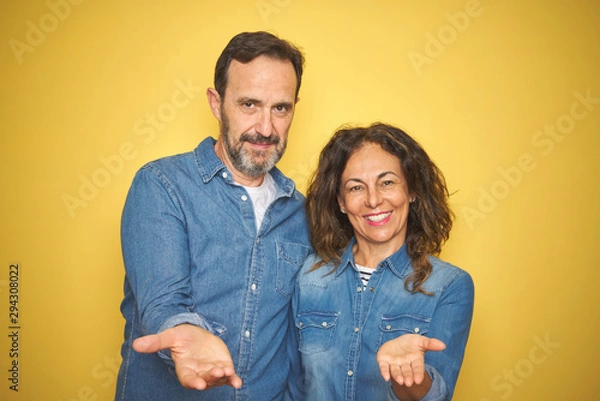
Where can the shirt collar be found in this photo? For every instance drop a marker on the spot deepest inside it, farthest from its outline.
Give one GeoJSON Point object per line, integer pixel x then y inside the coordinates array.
{"type": "Point", "coordinates": [207, 161]}
{"type": "Point", "coordinates": [399, 262]}
{"type": "Point", "coordinates": [209, 165]}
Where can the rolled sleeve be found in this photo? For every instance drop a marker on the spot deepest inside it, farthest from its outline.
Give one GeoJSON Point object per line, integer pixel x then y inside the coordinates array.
{"type": "Point", "coordinates": [183, 318]}
{"type": "Point", "coordinates": [437, 392]}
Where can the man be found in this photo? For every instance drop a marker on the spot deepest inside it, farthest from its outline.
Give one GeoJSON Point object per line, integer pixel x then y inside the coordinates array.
{"type": "Point", "coordinates": [212, 240]}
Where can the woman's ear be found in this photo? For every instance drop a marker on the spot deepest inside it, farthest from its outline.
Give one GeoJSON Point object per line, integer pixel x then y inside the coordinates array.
{"type": "Point", "coordinates": [342, 205]}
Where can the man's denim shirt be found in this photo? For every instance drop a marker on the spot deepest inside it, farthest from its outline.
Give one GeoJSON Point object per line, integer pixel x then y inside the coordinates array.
{"type": "Point", "coordinates": [342, 325]}
{"type": "Point", "coordinates": [193, 254]}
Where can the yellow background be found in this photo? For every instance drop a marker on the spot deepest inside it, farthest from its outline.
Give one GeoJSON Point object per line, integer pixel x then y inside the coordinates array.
{"type": "Point", "coordinates": [483, 95]}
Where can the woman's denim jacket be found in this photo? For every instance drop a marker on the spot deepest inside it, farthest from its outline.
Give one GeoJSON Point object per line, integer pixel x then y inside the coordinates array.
{"type": "Point", "coordinates": [341, 325]}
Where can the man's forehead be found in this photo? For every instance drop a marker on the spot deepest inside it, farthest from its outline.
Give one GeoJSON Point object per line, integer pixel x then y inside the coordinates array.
{"type": "Point", "coordinates": [262, 67]}
{"type": "Point", "coordinates": [262, 76]}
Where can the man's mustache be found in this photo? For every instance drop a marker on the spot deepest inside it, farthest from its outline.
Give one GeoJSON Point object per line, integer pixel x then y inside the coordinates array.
{"type": "Point", "coordinates": [259, 139]}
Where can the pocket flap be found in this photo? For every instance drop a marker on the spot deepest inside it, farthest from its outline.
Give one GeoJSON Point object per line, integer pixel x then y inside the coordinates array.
{"type": "Point", "coordinates": [320, 320]}
{"type": "Point", "coordinates": [404, 324]}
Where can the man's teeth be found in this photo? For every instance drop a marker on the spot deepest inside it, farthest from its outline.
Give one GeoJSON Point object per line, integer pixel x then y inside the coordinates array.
{"type": "Point", "coordinates": [377, 218]}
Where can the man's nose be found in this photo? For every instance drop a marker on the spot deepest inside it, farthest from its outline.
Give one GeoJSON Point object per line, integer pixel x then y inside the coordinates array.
{"type": "Point", "coordinates": [264, 125]}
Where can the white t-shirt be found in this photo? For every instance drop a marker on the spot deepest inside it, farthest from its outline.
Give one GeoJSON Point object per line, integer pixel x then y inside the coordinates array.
{"type": "Point", "coordinates": [262, 196]}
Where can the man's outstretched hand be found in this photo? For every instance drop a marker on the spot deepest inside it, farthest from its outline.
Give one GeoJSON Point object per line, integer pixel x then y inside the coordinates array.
{"type": "Point", "coordinates": [202, 360]}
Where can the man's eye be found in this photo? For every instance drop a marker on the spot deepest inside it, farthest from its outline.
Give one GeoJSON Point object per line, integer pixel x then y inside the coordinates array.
{"type": "Point", "coordinates": [248, 105]}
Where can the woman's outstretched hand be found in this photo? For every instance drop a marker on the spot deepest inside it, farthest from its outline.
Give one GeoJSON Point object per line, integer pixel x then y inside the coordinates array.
{"type": "Point", "coordinates": [403, 359]}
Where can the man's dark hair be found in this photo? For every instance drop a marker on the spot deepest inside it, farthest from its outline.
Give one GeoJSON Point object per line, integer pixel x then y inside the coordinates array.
{"type": "Point", "coordinates": [247, 46]}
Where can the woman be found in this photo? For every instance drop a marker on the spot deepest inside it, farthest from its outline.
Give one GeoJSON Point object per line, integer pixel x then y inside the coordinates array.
{"type": "Point", "coordinates": [379, 317]}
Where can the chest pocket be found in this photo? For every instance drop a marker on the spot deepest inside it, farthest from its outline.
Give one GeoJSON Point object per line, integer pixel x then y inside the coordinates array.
{"type": "Point", "coordinates": [316, 331]}
{"type": "Point", "coordinates": [290, 257]}
{"type": "Point", "coordinates": [393, 327]}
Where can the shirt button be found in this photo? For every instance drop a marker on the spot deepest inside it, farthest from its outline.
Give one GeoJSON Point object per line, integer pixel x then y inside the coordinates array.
{"type": "Point", "coordinates": [350, 373]}
{"type": "Point", "coordinates": [244, 198]}
{"type": "Point", "coordinates": [356, 329]}
{"type": "Point", "coordinates": [224, 175]}
{"type": "Point", "coordinates": [388, 327]}
{"type": "Point", "coordinates": [253, 286]}
{"type": "Point", "coordinates": [300, 324]}
{"type": "Point", "coordinates": [359, 289]}
{"type": "Point", "coordinates": [372, 289]}
{"type": "Point", "coordinates": [247, 334]}
{"type": "Point", "coordinates": [416, 330]}
{"type": "Point", "coordinates": [324, 324]}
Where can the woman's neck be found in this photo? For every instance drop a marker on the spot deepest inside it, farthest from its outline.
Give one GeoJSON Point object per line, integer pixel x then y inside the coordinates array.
{"type": "Point", "coordinates": [370, 254]}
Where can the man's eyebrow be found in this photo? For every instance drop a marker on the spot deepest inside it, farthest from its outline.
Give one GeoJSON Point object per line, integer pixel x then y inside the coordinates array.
{"type": "Point", "coordinates": [245, 99]}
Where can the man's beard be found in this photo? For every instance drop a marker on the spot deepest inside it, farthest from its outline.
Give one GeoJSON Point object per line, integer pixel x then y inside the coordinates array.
{"type": "Point", "coordinates": [253, 163]}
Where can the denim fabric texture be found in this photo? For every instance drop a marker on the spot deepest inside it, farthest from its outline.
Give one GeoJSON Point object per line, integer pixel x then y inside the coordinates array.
{"type": "Point", "coordinates": [193, 254]}
{"type": "Point", "coordinates": [342, 325]}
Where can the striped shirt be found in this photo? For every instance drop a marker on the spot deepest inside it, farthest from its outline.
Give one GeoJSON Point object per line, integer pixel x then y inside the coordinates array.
{"type": "Point", "coordinates": [365, 273]}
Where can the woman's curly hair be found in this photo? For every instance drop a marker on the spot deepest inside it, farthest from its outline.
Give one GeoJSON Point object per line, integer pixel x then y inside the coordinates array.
{"type": "Point", "coordinates": [429, 216]}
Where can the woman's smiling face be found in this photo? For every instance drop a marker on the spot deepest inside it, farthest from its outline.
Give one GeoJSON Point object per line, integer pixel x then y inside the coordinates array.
{"type": "Point", "coordinates": [376, 197]}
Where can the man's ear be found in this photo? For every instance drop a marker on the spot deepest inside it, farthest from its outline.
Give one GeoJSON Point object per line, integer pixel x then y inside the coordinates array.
{"type": "Point", "coordinates": [214, 102]}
